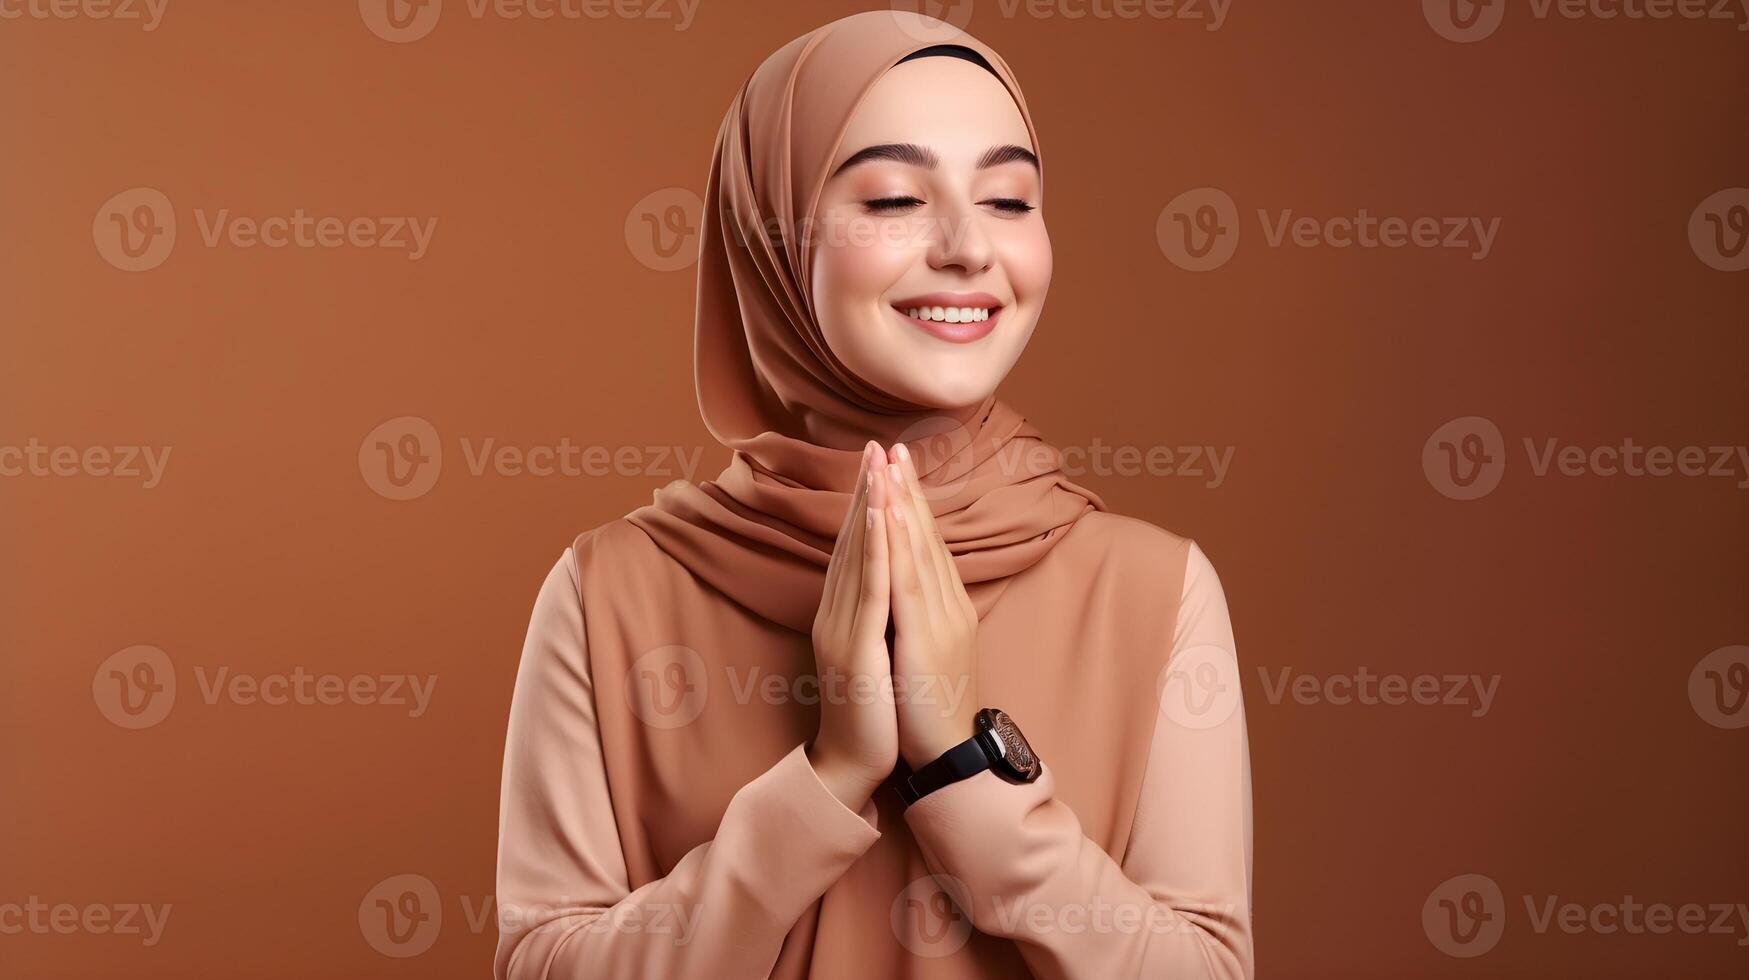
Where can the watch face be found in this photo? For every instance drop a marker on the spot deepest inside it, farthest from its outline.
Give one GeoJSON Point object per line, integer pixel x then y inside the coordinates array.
{"type": "Point", "coordinates": [1017, 755]}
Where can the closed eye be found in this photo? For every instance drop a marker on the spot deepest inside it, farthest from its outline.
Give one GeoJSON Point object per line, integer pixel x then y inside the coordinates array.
{"type": "Point", "coordinates": [891, 203]}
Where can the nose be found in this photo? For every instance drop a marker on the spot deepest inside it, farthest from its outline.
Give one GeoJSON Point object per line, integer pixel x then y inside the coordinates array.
{"type": "Point", "coordinates": [957, 241]}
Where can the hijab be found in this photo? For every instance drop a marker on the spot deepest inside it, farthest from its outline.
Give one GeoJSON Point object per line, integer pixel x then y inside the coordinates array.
{"type": "Point", "coordinates": [762, 533]}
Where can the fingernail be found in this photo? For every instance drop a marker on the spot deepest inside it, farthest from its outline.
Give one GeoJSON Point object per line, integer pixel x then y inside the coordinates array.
{"type": "Point", "coordinates": [904, 454]}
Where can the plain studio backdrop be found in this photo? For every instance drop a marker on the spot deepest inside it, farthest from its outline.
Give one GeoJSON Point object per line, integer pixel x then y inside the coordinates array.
{"type": "Point", "coordinates": [324, 327]}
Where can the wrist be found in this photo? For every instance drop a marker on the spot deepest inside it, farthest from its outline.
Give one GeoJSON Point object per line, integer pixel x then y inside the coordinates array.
{"type": "Point", "coordinates": [853, 785]}
{"type": "Point", "coordinates": [927, 743]}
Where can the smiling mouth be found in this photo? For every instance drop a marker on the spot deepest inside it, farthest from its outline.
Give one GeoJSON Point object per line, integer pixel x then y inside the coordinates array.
{"type": "Point", "coordinates": [949, 314]}
{"type": "Point", "coordinates": [957, 318]}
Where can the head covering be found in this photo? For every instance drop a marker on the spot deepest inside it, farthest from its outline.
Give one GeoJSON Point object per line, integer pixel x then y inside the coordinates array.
{"type": "Point", "coordinates": [771, 389]}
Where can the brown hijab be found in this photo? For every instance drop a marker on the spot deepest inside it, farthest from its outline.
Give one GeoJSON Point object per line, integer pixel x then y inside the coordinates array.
{"type": "Point", "coordinates": [763, 531]}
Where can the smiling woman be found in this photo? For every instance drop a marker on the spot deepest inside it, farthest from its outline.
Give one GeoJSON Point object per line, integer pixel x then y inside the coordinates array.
{"type": "Point", "coordinates": [890, 529]}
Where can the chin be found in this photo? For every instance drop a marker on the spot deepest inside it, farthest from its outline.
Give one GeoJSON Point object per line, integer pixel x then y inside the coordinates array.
{"type": "Point", "coordinates": [944, 391]}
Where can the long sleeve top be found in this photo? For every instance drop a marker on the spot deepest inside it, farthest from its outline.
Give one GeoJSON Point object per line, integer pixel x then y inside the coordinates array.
{"type": "Point", "coordinates": [1179, 904]}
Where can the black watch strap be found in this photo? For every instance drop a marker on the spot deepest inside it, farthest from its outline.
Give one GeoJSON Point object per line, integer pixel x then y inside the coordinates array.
{"type": "Point", "coordinates": [963, 761]}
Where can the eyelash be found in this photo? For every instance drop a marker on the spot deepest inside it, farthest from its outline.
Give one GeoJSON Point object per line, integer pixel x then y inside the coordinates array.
{"type": "Point", "coordinates": [1007, 205]}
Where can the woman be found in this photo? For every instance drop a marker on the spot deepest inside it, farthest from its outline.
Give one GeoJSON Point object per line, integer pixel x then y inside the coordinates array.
{"type": "Point", "coordinates": [715, 767]}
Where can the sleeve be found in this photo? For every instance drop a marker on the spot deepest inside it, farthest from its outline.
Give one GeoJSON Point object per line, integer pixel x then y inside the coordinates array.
{"type": "Point", "coordinates": [1180, 904]}
{"type": "Point", "coordinates": [564, 906]}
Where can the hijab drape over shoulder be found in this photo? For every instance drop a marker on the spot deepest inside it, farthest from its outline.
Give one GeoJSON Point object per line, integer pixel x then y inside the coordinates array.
{"type": "Point", "coordinates": [763, 531]}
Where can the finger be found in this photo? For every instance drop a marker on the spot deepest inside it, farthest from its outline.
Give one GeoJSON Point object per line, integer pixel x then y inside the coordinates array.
{"type": "Point", "coordinates": [940, 559]}
{"type": "Point", "coordinates": [858, 519]}
{"type": "Point", "coordinates": [906, 592]}
{"type": "Point", "coordinates": [846, 556]}
{"type": "Point", "coordinates": [922, 566]}
{"type": "Point", "coordinates": [923, 536]}
{"type": "Point", "coordinates": [846, 527]}
{"type": "Point", "coordinates": [872, 594]}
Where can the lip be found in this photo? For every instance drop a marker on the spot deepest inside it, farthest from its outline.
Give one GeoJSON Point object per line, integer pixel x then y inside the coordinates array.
{"type": "Point", "coordinates": [956, 333]}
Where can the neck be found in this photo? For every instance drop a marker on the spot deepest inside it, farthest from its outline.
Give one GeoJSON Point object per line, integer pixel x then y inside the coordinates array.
{"type": "Point", "coordinates": [908, 427]}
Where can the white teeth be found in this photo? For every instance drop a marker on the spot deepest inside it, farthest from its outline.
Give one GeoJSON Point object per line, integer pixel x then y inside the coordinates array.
{"type": "Point", "coordinates": [949, 314]}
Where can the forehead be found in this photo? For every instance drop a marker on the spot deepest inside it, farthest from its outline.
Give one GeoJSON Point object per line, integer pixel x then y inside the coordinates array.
{"type": "Point", "coordinates": [947, 104]}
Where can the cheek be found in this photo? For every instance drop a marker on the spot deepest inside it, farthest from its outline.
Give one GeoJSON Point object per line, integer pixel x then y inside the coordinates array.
{"type": "Point", "coordinates": [1026, 258]}
{"type": "Point", "coordinates": [858, 266]}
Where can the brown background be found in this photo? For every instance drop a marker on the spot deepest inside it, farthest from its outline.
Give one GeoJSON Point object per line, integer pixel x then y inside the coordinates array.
{"type": "Point", "coordinates": [531, 319]}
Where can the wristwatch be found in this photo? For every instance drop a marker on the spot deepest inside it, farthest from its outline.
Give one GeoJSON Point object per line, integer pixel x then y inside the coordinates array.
{"type": "Point", "coordinates": [996, 745]}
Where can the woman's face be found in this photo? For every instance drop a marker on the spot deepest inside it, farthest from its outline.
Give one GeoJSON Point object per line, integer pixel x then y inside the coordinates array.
{"type": "Point", "coordinates": [931, 261]}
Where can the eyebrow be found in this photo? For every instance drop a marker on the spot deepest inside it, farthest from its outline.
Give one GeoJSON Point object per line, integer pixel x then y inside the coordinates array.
{"type": "Point", "coordinates": [922, 156]}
